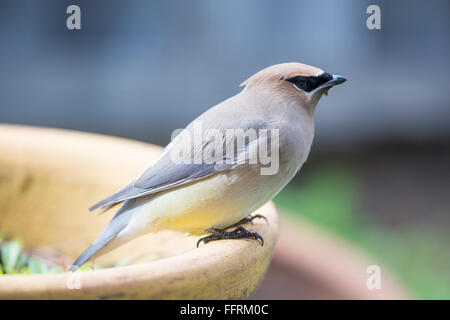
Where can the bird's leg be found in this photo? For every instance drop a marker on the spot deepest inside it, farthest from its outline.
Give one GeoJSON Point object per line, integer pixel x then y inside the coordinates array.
{"type": "Point", "coordinates": [248, 219]}
{"type": "Point", "coordinates": [238, 233]}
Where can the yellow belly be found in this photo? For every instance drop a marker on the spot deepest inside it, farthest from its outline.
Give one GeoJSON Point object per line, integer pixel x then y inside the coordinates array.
{"type": "Point", "coordinates": [217, 201]}
{"type": "Point", "coordinates": [198, 206]}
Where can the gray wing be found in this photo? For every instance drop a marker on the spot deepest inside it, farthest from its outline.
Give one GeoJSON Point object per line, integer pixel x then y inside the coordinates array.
{"type": "Point", "coordinates": [164, 174]}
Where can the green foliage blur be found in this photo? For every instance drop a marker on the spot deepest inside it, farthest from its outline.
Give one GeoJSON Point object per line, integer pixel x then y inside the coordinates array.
{"type": "Point", "coordinates": [14, 260]}
{"type": "Point", "coordinates": [417, 254]}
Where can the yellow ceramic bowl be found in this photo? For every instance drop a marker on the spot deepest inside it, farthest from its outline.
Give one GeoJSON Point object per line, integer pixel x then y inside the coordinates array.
{"type": "Point", "coordinates": [48, 180]}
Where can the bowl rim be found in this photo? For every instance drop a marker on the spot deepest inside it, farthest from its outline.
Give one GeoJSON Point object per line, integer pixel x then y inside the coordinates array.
{"type": "Point", "coordinates": [246, 260]}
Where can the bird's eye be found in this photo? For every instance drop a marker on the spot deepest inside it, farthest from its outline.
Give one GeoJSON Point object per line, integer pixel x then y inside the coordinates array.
{"type": "Point", "coordinates": [310, 83]}
{"type": "Point", "coordinates": [303, 83]}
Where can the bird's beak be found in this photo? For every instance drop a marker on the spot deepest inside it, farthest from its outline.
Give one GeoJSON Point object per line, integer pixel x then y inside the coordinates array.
{"type": "Point", "coordinates": [327, 85]}
{"type": "Point", "coordinates": [335, 81]}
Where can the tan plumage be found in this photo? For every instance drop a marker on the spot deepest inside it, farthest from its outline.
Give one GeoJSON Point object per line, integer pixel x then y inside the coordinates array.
{"type": "Point", "coordinates": [191, 197]}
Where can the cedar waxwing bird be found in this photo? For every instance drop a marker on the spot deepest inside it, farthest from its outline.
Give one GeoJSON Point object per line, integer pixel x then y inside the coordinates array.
{"type": "Point", "coordinates": [219, 169]}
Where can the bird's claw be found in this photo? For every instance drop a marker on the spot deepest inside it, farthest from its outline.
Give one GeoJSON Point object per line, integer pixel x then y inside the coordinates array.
{"type": "Point", "coordinates": [238, 233]}
{"type": "Point", "coordinates": [257, 237]}
{"type": "Point", "coordinates": [207, 239]}
{"type": "Point", "coordinates": [250, 218]}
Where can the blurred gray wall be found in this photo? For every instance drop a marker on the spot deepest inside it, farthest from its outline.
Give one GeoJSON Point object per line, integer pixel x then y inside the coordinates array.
{"type": "Point", "coordinates": [140, 69]}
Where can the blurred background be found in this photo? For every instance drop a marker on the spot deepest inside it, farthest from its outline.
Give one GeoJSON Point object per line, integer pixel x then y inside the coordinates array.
{"type": "Point", "coordinates": [378, 175]}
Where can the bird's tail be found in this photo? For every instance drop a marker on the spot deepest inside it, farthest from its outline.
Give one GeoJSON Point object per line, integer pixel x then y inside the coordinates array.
{"type": "Point", "coordinates": [93, 249]}
{"type": "Point", "coordinates": [110, 232]}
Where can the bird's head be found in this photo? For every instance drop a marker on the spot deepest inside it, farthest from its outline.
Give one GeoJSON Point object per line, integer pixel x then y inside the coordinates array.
{"type": "Point", "coordinates": [294, 82]}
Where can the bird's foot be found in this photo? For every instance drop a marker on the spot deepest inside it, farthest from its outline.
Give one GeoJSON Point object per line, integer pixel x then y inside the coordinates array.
{"type": "Point", "coordinates": [238, 233]}
{"type": "Point", "coordinates": [248, 219]}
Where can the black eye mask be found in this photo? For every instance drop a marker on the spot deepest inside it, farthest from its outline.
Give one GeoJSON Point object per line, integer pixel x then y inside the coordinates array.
{"type": "Point", "coordinates": [310, 83]}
